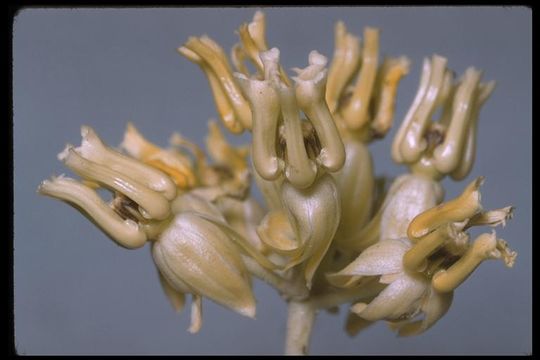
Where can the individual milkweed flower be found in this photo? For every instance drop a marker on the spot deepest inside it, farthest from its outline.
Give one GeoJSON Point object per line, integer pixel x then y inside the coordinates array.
{"type": "Point", "coordinates": [423, 269]}
{"type": "Point", "coordinates": [142, 193]}
{"type": "Point", "coordinates": [412, 194]}
{"type": "Point", "coordinates": [283, 143]}
{"type": "Point", "coordinates": [305, 201]}
{"type": "Point", "coordinates": [194, 249]}
{"type": "Point", "coordinates": [287, 151]}
{"type": "Point", "coordinates": [446, 146]}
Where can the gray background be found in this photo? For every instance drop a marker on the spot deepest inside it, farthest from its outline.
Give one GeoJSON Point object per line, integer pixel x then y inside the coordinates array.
{"type": "Point", "coordinates": [76, 292]}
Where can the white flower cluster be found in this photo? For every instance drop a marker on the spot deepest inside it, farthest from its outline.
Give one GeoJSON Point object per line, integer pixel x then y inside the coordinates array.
{"type": "Point", "coordinates": [329, 232]}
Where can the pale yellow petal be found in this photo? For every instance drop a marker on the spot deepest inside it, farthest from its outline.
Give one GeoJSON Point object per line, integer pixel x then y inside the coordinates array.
{"type": "Point", "coordinates": [201, 255]}
{"type": "Point", "coordinates": [176, 298]}
{"type": "Point", "coordinates": [399, 299]}
{"type": "Point", "coordinates": [314, 215]}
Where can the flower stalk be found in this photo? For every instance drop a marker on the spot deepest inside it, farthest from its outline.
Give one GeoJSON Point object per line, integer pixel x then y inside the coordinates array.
{"type": "Point", "coordinates": [300, 321]}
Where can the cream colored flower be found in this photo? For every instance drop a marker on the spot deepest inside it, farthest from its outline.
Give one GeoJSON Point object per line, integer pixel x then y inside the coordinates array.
{"type": "Point", "coordinates": [423, 270]}
{"type": "Point", "coordinates": [446, 146]}
{"type": "Point", "coordinates": [290, 165]}
{"type": "Point", "coordinates": [195, 249]}
{"type": "Point", "coordinates": [407, 294]}
{"type": "Point", "coordinates": [284, 143]}
{"type": "Point", "coordinates": [330, 233]}
{"type": "Point", "coordinates": [142, 194]}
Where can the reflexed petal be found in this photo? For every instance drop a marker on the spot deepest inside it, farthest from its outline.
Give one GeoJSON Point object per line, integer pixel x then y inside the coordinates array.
{"type": "Point", "coordinates": [399, 299]}
{"type": "Point", "coordinates": [384, 257]}
{"type": "Point", "coordinates": [199, 254]}
{"type": "Point", "coordinates": [434, 306]}
{"type": "Point", "coordinates": [239, 240]}
{"type": "Point", "coordinates": [354, 324]}
{"type": "Point", "coordinates": [176, 298]}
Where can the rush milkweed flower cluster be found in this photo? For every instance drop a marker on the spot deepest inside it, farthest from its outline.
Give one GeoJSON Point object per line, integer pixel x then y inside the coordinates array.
{"type": "Point", "coordinates": [329, 231]}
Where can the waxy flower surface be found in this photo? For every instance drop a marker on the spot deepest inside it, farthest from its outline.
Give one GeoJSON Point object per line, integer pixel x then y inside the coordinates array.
{"type": "Point", "coordinates": [327, 231]}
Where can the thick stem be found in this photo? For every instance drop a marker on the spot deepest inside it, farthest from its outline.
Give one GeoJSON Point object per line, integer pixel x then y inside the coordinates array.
{"type": "Point", "coordinates": [301, 316]}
